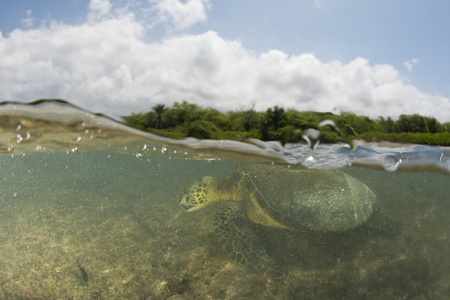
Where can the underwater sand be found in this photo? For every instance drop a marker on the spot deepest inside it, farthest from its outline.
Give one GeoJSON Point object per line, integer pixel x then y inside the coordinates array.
{"type": "Point", "coordinates": [102, 225]}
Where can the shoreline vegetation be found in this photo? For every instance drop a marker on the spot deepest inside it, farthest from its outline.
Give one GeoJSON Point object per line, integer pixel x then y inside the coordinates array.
{"type": "Point", "coordinates": [287, 126]}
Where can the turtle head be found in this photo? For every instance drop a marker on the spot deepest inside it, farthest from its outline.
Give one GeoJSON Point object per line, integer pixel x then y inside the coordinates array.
{"type": "Point", "coordinates": [197, 195]}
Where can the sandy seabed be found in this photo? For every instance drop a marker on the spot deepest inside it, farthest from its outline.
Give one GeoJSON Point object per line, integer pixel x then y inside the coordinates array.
{"type": "Point", "coordinates": [62, 241]}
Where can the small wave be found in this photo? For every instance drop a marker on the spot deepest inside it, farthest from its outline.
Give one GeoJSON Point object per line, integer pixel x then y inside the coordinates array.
{"type": "Point", "coordinates": [404, 158]}
{"type": "Point", "coordinates": [58, 126]}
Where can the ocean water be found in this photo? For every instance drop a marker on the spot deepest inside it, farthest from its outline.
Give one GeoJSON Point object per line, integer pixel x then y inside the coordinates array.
{"type": "Point", "coordinates": [89, 209]}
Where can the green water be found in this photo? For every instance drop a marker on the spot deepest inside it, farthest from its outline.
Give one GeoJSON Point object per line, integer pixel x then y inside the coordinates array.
{"type": "Point", "coordinates": [89, 209]}
{"type": "Point", "coordinates": [106, 225]}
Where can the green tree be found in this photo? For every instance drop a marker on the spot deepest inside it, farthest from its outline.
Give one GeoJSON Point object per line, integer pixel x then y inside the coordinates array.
{"type": "Point", "coordinates": [202, 129]}
{"type": "Point", "coordinates": [286, 126]}
{"type": "Point", "coordinates": [386, 125]}
{"type": "Point", "coordinates": [445, 127]}
{"type": "Point", "coordinates": [302, 120]}
{"type": "Point", "coordinates": [243, 120]}
{"type": "Point", "coordinates": [359, 123]}
{"type": "Point", "coordinates": [433, 125]}
{"type": "Point", "coordinates": [250, 118]}
{"type": "Point", "coordinates": [136, 120]}
{"type": "Point", "coordinates": [411, 123]}
{"type": "Point", "coordinates": [235, 121]}
{"type": "Point", "coordinates": [276, 117]}
{"type": "Point", "coordinates": [159, 110]}
{"type": "Point", "coordinates": [216, 117]}
{"type": "Point", "coordinates": [273, 120]}
{"type": "Point", "coordinates": [181, 114]}
{"type": "Point", "coordinates": [289, 134]}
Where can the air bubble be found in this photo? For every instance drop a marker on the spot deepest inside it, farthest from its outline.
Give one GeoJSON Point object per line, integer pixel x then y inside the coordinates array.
{"type": "Point", "coordinates": [78, 139]}
{"type": "Point", "coordinates": [310, 159]}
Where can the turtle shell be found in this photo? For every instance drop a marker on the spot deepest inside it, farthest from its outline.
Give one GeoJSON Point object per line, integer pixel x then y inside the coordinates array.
{"type": "Point", "coordinates": [313, 200]}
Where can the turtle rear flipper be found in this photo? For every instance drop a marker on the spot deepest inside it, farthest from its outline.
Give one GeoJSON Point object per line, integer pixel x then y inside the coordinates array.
{"type": "Point", "coordinates": [241, 243]}
{"type": "Point", "coordinates": [384, 223]}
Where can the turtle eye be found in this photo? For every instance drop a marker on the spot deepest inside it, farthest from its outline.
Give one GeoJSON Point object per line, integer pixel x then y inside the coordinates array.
{"type": "Point", "coordinates": [184, 198]}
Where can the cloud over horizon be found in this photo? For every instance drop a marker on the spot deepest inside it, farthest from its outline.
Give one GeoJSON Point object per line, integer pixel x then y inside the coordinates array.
{"type": "Point", "coordinates": [181, 15]}
{"type": "Point", "coordinates": [106, 65]}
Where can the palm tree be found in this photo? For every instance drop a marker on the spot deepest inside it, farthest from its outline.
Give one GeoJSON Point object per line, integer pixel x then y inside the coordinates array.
{"type": "Point", "coordinates": [159, 110]}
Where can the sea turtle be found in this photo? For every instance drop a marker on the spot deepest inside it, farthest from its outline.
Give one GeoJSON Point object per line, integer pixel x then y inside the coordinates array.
{"type": "Point", "coordinates": [287, 198]}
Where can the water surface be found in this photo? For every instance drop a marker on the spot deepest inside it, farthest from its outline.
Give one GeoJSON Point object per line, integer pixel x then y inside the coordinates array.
{"type": "Point", "coordinates": [90, 209]}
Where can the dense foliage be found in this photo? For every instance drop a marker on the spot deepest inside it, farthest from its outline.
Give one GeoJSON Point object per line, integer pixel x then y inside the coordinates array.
{"type": "Point", "coordinates": [186, 119]}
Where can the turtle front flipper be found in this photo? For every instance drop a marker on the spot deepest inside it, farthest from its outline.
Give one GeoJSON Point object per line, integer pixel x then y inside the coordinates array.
{"type": "Point", "coordinates": [241, 243]}
{"type": "Point", "coordinates": [384, 223]}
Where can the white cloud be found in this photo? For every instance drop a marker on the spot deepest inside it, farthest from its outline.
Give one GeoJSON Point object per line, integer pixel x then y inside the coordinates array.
{"type": "Point", "coordinates": [99, 9]}
{"type": "Point", "coordinates": [106, 66]}
{"type": "Point", "coordinates": [181, 15]}
{"type": "Point", "coordinates": [28, 22]}
{"type": "Point", "coordinates": [410, 64]}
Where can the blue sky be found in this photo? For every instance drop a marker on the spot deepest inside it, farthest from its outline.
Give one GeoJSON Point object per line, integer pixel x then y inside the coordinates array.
{"type": "Point", "coordinates": [375, 58]}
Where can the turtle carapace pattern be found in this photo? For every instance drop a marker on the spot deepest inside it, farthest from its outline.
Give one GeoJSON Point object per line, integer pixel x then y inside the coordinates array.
{"type": "Point", "coordinates": [287, 198]}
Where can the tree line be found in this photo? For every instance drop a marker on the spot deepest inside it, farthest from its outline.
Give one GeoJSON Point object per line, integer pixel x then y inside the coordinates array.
{"type": "Point", "coordinates": [187, 119]}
